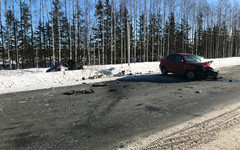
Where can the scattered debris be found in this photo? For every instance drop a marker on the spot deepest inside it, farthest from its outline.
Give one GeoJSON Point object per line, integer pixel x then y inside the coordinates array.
{"type": "Point", "coordinates": [112, 90]}
{"type": "Point", "coordinates": [98, 84]}
{"type": "Point", "coordinates": [130, 74]}
{"type": "Point", "coordinates": [82, 91]}
{"type": "Point", "coordinates": [198, 91]}
{"type": "Point", "coordinates": [98, 75]}
{"type": "Point", "coordinates": [83, 78]}
{"type": "Point", "coordinates": [84, 83]}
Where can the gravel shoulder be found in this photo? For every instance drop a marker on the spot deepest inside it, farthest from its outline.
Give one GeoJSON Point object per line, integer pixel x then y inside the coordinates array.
{"type": "Point", "coordinates": [217, 130]}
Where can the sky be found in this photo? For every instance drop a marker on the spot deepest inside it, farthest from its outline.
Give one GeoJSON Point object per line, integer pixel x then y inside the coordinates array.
{"type": "Point", "coordinates": [36, 11]}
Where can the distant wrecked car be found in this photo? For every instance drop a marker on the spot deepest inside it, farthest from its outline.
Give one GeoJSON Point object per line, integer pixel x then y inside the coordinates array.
{"type": "Point", "coordinates": [70, 65]}
{"type": "Point", "coordinates": [188, 65]}
{"type": "Point", "coordinates": [57, 67]}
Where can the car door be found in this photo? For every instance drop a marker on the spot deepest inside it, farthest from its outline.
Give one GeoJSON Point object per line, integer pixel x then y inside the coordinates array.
{"type": "Point", "coordinates": [170, 63]}
{"type": "Point", "coordinates": [178, 65]}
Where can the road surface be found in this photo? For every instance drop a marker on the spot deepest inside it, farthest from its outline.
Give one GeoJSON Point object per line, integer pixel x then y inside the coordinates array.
{"type": "Point", "coordinates": [110, 115]}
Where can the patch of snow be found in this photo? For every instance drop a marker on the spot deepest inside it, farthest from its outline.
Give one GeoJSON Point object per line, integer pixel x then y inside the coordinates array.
{"type": "Point", "coordinates": [33, 79]}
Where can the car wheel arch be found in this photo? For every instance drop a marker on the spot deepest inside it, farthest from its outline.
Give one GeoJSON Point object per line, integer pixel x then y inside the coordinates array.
{"type": "Point", "coordinates": [166, 72]}
{"type": "Point", "coordinates": [188, 71]}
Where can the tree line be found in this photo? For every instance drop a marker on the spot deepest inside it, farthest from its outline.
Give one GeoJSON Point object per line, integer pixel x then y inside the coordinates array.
{"type": "Point", "coordinates": [96, 33]}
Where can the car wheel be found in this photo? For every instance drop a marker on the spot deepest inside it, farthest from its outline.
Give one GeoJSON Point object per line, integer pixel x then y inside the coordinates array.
{"type": "Point", "coordinates": [191, 75]}
{"type": "Point", "coordinates": [164, 71]}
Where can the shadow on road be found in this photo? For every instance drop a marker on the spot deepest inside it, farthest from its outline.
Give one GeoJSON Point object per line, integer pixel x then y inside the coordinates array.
{"type": "Point", "coordinates": [154, 78]}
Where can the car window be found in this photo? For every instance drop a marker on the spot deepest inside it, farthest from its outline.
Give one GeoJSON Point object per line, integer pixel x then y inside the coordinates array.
{"type": "Point", "coordinates": [193, 58]}
{"type": "Point", "coordinates": [179, 59]}
{"type": "Point", "coordinates": [171, 57]}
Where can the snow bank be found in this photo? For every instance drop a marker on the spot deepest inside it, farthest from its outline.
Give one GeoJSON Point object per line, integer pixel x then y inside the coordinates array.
{"type": "Point", "coordinates": [33, 79]}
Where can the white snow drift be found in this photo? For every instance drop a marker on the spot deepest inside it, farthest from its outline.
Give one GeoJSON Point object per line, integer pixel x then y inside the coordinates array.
{"type": "Point", "coordinates": [33, 79]}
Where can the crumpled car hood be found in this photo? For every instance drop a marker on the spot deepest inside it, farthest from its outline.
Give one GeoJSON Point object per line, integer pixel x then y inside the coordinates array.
{"type": "Point", "coordinates": [203, 64]}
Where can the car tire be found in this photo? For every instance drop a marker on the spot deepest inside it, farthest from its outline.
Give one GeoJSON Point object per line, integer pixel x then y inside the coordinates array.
{"type": "Point", "coordinates": [164, 71]}
{"type": "Point", "coordinates": [190, 75]}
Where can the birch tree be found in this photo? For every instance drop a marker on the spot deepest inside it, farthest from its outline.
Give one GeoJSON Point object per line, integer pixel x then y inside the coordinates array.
{"type": "Point", "coordinates": [53, 43]}
{"type": "Point", "coordinates": [59, 33]}
{"type": "Point", "coordinates": [164, 27]}
{"type": "Point", "coordinates": [144, 31]}
{"type": "Point", "coordinates": [70, 30]}
{"type": "Point", "coordinates": [111, 36]}
{"type": "Point", "coordinates": [75, 31]}
{"type": "Point", "coordinates": [103, 42]}
{"type": "Point", "coordinates": [135, 31]}
{"type": "Point", "coordinates": [1, 30]}
{"type": "Point", "coordinates": [87, 31]}
{"type": "Point", "coordinates": [15, 36]}
{"type": "Point", "coordinates": [114, 30]}
{"type": "Point", "coordinates": [8, 37]}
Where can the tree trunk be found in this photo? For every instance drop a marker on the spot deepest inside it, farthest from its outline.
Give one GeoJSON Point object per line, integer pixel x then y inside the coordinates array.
{"type": "Point", "coordinates": [144, 31]}
{"type": "Point", "coordinates": [70, 30]}
{"type": "Point", "coordinates": [114, 30]}
{"type": "Point", "coordinates": [32, 38]}
{"type": "Point", "coordinates": [103, 53]}
{"type": "Point", "coordinates": [135, 31]}
{"type": "Point", "coordinates": [2, 47]}
{"type": "Point", "coordinates": [87, 23]}
{"type": "Point", "coordinates": [8, 37]}
{"type": "Point", "coordinates": [59, 35]}
{"type": "Point", "coordinates": [53, 46]}
{"type": "Point", "coordinates": [75, 31]}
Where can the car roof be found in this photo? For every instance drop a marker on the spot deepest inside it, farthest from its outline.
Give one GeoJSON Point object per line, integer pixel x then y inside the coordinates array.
{"type": "Point", "coordinates": [183, 54]}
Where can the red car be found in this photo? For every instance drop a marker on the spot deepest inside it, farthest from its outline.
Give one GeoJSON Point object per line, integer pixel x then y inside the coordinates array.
{"type": "Point", "coordinates": [188, 65]}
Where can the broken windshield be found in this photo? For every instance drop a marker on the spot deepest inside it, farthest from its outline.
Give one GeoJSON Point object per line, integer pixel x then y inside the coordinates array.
{"type": "Point", "coordinates": [193, 58]}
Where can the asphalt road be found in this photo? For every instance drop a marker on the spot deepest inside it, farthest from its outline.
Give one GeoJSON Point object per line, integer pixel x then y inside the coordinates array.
{"type": "Point", "coordinates": [75, 118]}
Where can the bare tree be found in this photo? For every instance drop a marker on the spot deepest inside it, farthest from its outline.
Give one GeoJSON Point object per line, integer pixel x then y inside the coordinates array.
{"type": "Point", "coordinates": [75, 30]}
{"type": "Point", "coordinates": [164, 27]}
{"type": "Point", "coordinates": [103, 53]}
{"type": "Point", "coordinates": [59, 33]}
{"type": "Point", "coordinates": [32, 44]}
{"type": "Point", "coordinates": [8, 36]}
{"type": "Point", "coordinates": [135, 31]}
{"type": "Point", "coordinates": [111, 38]}
{"type": "Point", "coordinates": [159, 22]}
{"type": "Point", "coordinates": [3, 55]}
{"type": "Point", "coordinates": [144, 30]}
{"type": "Point", "coordinates": [70, 30]}
{"type": "Point", "coordinates": [114, 30]}
{"type": "Point", "coordinates": [87, 31]}
{"type": "Point", "coordinates": [15, 36]}
{"type": "Point", "coordinates": [121, 32]}
{"type": "Point", "coordinates": [53, 42]}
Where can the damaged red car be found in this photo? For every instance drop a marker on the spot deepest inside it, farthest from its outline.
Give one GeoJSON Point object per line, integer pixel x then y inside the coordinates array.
{"type": "Point", "coordinates": [189, 65]}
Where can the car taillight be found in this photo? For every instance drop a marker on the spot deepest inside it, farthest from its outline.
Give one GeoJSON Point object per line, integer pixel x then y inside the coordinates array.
{"type": "Point", "coordinates": [59, 67]}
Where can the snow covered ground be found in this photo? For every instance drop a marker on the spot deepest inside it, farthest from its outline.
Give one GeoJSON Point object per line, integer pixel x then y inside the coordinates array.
{"type": "Point", "coordinates": [33, 79]}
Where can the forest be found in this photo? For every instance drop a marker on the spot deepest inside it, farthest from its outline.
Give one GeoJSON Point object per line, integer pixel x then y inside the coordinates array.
{"type": "Point", "coordinates": [99, 32]}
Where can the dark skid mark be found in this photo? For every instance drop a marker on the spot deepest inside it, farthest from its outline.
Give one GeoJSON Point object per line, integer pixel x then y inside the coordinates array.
{"type": "Point", "coordinates": [139, 104]}
{"type": "Point", "coordinates": [228, 80]}
{"type": "Point", "coordinates": [25, 139]}
{"type": "Point", "coordinates": [152, 108]}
